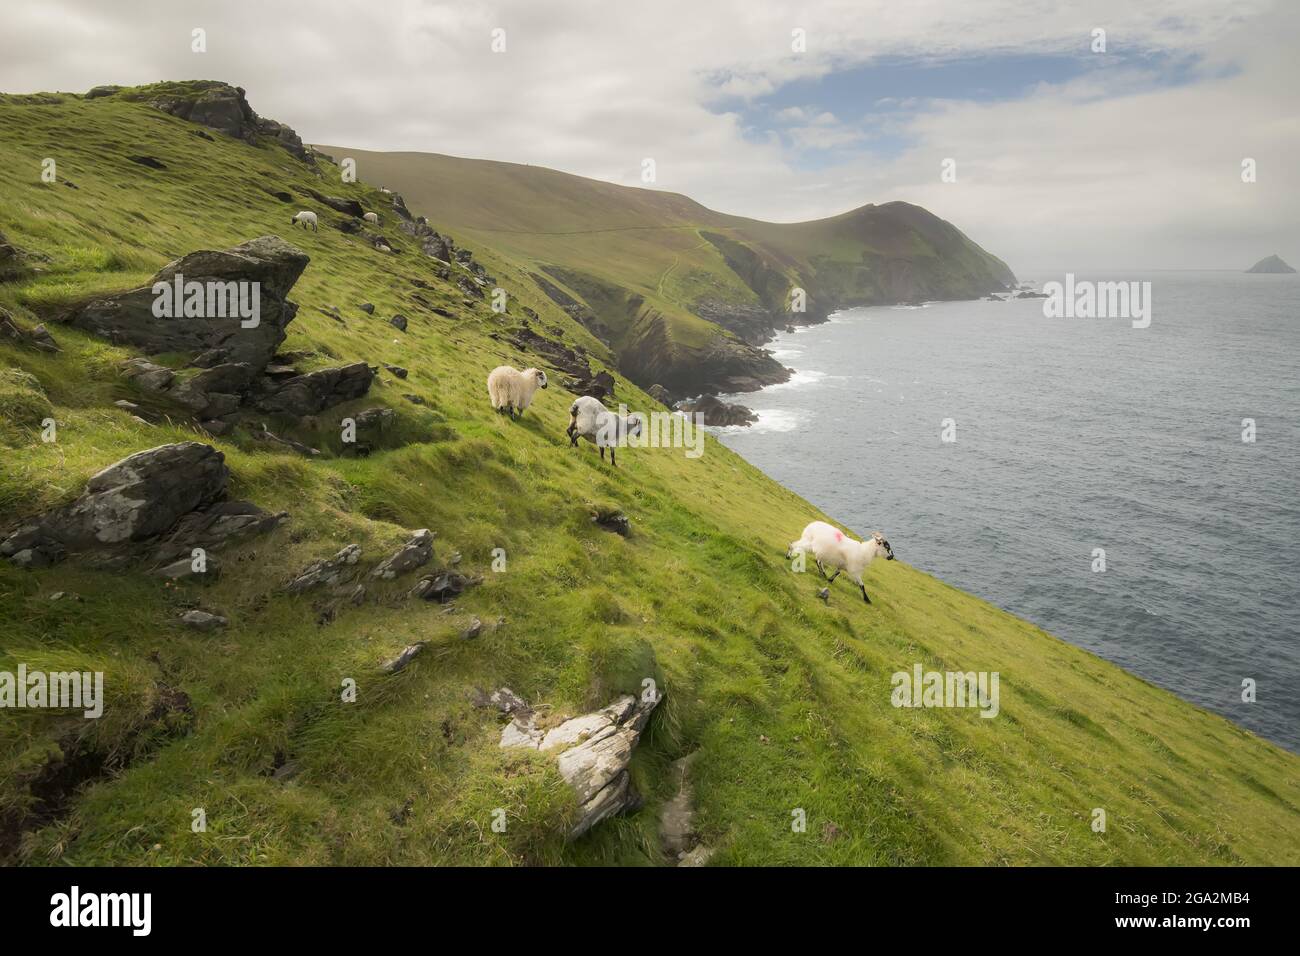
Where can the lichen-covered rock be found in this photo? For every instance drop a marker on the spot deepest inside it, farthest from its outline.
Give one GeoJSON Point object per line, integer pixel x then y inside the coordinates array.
{"type": "Point", "coordinates": [593, 752]}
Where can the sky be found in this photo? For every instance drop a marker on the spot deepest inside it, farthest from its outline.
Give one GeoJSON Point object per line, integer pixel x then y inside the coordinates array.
{"type": "Point", "coordinates": [1066, 157]}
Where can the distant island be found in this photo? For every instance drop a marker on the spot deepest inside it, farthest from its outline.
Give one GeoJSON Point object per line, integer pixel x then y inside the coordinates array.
{"type": "Point", "coordinates": [1270, 264]}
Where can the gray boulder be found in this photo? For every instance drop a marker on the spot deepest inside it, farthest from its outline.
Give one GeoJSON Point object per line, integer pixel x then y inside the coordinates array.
{"type": "Point", "coordinates": [317, 391]}
{"type": "Point", "coordinates": [414, 554]}
{"type": "Point", "coordinates": [127, 318]}
{"type": "Point", "coordinates": [592, 754]}
{"type": "Point", "coordinates": [203, 621]}
{"type": "Point", "coordinates": [329, 572]}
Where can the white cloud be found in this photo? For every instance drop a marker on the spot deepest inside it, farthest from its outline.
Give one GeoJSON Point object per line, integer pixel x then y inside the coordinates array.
{"type": "Point", "coordinates": [1070, 175]}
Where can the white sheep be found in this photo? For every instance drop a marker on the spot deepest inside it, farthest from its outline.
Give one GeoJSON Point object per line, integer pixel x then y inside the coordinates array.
{"type": "Point", "coordinates": [831, 546]}
{"type": "Point", "coordinates": [371, 217]}
{"type": "Point", "coordinates": [512, 390]}
{"type": "Point", "coordinates": [590, 419]}
{"type": "Point", "coordinates": [307, 219]}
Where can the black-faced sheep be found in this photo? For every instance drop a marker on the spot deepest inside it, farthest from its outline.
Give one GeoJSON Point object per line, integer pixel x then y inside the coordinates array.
{"type": "Point", "coordinates": [830, 546]}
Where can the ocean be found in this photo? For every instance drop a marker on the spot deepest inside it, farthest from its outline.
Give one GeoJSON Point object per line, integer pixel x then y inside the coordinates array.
{"type": "Point", "coordinates": [1070, 435]}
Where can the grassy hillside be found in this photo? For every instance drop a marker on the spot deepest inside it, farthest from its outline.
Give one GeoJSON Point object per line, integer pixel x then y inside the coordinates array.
{"type": "Point", "coordinates": [784, 700]}
{"type": "Point", "coordinates": [672, 262]}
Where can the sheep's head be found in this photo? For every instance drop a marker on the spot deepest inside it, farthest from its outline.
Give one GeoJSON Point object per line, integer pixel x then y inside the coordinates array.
{"type": "Point", "coordinates": [538, 374]}
{"type": "Point", "coordinates": [882, 546]}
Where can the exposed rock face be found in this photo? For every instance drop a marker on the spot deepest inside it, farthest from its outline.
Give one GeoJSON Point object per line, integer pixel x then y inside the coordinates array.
{"type": "Point", "coordinates": [17, 263]}
{"type": "Point", "coordinates": [593, 752]}
{"type": "Point", "coordinates": [398, 663]}
{"type": "Point", "coordinates": [414, 554]}
{"type": "Point", "coordinates": [349, 207]}
{"type": "Point", "coordinates": [329, 572]}
{"type": "Point", "coordinates": [162, 502]}
{"type": "Point", "coordinates": [677, 817]}
{"type": "Point", "coordinates": [127, 318]}
{"type": "Point", "coordinates": [218, 106]}
{"type": "Point", "coordinates": [612, 520]}
{"type": "Point", "coordinates": [1271, 264]}
{"type": "Point", "coordinates": [317, 391]}
{"type": "Point", "coordinates": [660, 394]}
{"type": "Point", "coordinates": [442, 586]}
{"type": "Point", "coordinates": [717, 412]}
{"type": "Point", "coordinates": [203, 621]}
{"type": "Point", "coordinates": [38, 338]}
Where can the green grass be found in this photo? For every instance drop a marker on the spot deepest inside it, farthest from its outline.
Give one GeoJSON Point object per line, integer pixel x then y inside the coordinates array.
{"type": "Point", "coordinates": [786, 700]}
{"type": "Point", "coordinates": [654, 244]}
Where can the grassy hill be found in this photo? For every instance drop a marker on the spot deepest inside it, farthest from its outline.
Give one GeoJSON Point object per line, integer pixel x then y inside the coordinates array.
{"type": "Point", "coordinates": [784, 700]}
{"type": "Point", "coordinates": [647, 266]}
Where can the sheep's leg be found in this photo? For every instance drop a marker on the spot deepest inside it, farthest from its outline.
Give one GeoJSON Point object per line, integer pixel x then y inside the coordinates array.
{"type": "Point", "coordinates": [612, 460]}
{"type": "Point", "coordinates": [831, 579]}
{"type": "Point", "coordinates": [864, 593]}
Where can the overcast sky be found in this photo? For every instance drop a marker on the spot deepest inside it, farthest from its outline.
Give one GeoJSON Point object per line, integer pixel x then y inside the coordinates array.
{"type": "Point", "coordinates": [1065, 158]}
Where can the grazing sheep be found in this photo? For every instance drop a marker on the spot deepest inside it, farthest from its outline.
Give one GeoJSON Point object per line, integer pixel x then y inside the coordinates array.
{"type": "Point", "coordinates": [829, 545]}
{"type": "Point", "coordinates": [590, 419]}
{"type": "Point", "coordinates": [307, 219]}
{"type": "Point", "coordinates": [371, 217]}
{"type": "Point", "coordinates": [512, 390]}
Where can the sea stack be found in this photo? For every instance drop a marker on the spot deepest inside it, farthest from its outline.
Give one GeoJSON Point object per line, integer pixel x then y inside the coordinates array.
{"type": "Point", "coordinates": [1270, 264]}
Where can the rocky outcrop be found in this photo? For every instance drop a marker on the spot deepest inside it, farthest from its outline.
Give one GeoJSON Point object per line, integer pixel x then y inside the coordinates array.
{"type": "Point", "coordinates": [38, 338]}
{"type": "Point", "coordinates": [128, 318]}
{"type": "Point", "coordinates": [414, 554]}
{"type": "Point", "coordinates": [14, 262]}
{"type": "Point", "coordinates": [592, 754]}
{"type": "Point", "coordinates": [156, 504]}
{"type": "Point", "coordinates": [217, 106]}
{"type": "Point", "coordinates": [677, 816]}
{"type": "Point", "coordinates": [326, 573]}
{"type": "Point", "coordinates": [613, 520]}
{"type": "Point", "coordinates": [408, 654]}
{"type": "Point", "coordinates": [442, 586]}
{"type": "Point", "coordinates": [1271, 264]}
{"type": "Point", "coordinates": [349, 207]}
{"type": "Point", "coordinates": [316, 391]}
{"type": "Point", "coordinates": [718, 413]}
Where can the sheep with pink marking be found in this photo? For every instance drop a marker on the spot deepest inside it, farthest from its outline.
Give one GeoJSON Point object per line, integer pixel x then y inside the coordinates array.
{"type": "Point", "coordinates": [831, 547]}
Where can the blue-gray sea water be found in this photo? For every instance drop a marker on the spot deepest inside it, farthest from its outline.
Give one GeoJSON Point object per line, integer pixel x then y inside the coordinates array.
{"type": "Point", "coordinates": [1074, 434]}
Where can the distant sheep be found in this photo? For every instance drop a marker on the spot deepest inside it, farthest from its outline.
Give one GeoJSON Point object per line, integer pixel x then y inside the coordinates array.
{"type": "Point", "coordinates": [590, 419]}
{"type": "Point", "coordinates": [307, 219]}
{"type": "Point", "coordinates": [512, 390]}
{"type": "Point", "coordinates": [830, 546]}
{"type": "Point", "coordinates": [371, 217]}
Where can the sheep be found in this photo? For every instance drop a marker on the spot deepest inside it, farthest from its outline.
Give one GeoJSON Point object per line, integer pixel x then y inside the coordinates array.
{"type": "Point", "coordinates": [307, 219]}
{"type": "Point", "coordinates": [829, 545]}
{"type": "Point", "coordinates": [590, 419]}
{"type": "Point", "coordinates": [512, 390]}
{"type": "Point", "coordinates": [371, 217]}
